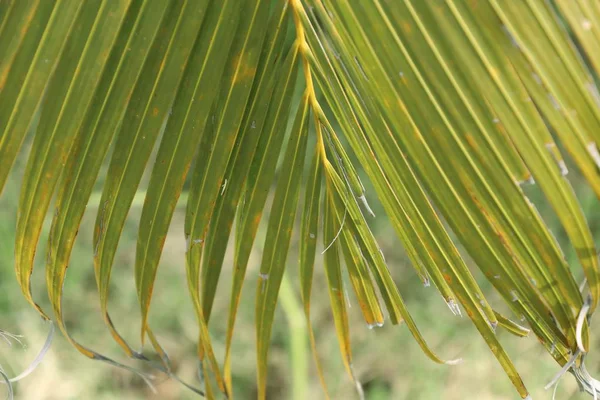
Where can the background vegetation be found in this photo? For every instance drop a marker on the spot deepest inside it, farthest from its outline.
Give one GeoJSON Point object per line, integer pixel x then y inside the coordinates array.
{"type": "Point", "coordinates": [388, 362]}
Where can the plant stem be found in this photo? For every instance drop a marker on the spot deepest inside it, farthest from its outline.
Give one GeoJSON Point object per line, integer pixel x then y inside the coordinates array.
{"type": "Point", "coordinates": [297, 339]}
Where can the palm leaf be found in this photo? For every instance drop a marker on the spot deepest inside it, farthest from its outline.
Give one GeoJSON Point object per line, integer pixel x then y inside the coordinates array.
{"type": "Point", "coordinates": [448, 107]}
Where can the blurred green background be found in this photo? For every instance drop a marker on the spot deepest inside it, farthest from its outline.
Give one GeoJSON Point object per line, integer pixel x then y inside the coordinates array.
{"type": "Point", "coordinates": [387, 361]}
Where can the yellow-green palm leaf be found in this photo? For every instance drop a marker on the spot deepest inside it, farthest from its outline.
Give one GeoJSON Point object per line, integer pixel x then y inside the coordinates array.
{"type": "Point", "coordinates": [448, 107]}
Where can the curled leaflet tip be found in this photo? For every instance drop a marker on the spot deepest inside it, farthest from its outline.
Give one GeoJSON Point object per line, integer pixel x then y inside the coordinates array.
{"type": "Point", "coordinates": [563, 370]}
{"type": "Point", "coordinates": [38, 359]}
{"type": "Point", "coordinates": [579, 327]}
{"type": "Point", "coordinates": [363, 199]}
{"type": "Point", "coordinates": [4, 379]}
{"type": "Point", "coordinates": [337, 234]}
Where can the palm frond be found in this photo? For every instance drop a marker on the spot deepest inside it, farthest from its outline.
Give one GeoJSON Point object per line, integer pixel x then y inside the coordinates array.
{"type": "Point", "coordinates": [449, 107]}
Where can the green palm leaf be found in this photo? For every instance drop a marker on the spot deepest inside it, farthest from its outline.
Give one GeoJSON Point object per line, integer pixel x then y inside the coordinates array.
{"type": "Point", "coordinates": [448, 107]}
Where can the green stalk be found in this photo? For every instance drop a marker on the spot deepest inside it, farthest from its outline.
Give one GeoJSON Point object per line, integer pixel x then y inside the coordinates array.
{"type": "Point", "coordinates": [297, 339]}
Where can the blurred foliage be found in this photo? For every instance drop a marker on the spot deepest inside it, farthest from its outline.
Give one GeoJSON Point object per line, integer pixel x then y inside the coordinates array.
{"type": "Point", "coordinates": [387, 361]}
